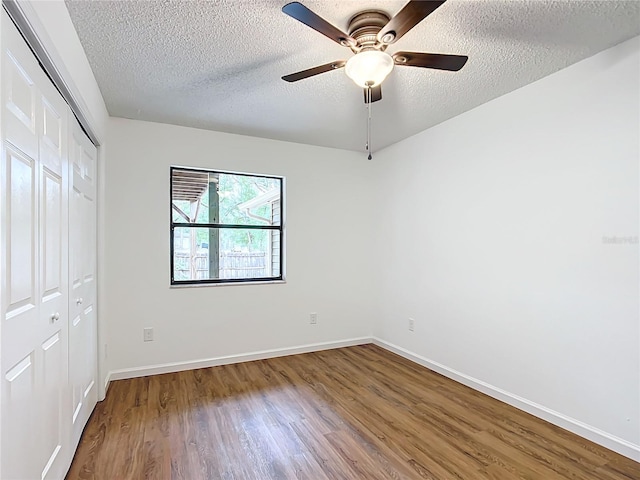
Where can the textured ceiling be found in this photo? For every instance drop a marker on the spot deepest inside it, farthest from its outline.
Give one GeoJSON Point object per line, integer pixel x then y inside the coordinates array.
{"type": "Point", "coordinates": [217, 64]}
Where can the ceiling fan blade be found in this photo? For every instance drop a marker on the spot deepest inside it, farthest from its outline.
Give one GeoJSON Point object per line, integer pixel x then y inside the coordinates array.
{"type": "Point", "coordinates": [438, 61]}
{"type": "Point", "coordinates": [376, 94]}
{"type": "Point", "coordinates": [411, 14]}
{"type": "Point", "coordinates": [303, 14]}
{"type": "Point", "coordinates": [294, 77]}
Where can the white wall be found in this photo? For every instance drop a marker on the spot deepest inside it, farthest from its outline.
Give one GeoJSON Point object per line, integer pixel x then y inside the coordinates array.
{"type": "Point", "coordinates": [328, 268]}
{"type": "Point", "coordinates": [495, 246]}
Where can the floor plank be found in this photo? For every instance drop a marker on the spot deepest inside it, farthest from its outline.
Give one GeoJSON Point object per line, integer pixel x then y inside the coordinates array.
{"type": "Point", "coordinates": [351, 413]}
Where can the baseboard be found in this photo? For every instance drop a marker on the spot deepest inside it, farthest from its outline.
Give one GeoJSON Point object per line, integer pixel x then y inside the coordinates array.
{"type": "Point", "coordinates": [589, 432]}
{"type": "Point", "coordinates": [229, 359]}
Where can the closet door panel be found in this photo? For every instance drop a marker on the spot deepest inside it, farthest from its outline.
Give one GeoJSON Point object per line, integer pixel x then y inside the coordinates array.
{"type": "Point", "coordinates": [21, 221]}
{"type": "Point", "coordinates": [83, 327]}
{"type": "Point", "coordinates": [20, 95]}
{"type": "Point", "coordinates": [35, 295]}
{"type": "Point", "coordinates": [22, 453]}
{"type": "Point", "coordinates": [19, 425]}
{"type": "Point", "coordinates": [20, 306]}
{"type": "Point", "coordinates": [51, 144]}
{"type": "Point", "coordinates": [53, 275]}
{"type": "Point", "coordinates": [52, 425]}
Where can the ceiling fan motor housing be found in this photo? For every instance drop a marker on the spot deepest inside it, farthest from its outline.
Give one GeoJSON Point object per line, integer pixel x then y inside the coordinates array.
{"type": "Point", "coordinates": [364, 27]}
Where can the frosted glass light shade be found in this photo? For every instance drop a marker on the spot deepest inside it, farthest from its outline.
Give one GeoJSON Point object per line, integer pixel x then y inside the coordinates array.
{"type": "Point", "coordinates": [370, 67]}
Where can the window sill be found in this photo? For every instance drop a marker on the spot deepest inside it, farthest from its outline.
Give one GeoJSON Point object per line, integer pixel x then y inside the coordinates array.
{"type": "Point", "coordinates": [228, 284]}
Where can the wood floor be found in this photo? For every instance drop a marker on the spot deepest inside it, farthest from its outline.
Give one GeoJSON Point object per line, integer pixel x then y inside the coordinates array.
{"type": "Point", "coordinates": [351, 413]}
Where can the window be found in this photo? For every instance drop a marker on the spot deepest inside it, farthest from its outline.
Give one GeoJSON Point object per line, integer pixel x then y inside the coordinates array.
{"type": "Point", "coordinates": [225, 227]}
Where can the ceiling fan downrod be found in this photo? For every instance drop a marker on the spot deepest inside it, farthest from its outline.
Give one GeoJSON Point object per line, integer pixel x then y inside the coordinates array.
{"type": "Point", "coordinates": [369, 102]}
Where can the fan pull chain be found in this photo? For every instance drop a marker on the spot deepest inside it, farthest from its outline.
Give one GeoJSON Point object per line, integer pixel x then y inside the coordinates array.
{"type": "Point", "coordinates": [369, 122]}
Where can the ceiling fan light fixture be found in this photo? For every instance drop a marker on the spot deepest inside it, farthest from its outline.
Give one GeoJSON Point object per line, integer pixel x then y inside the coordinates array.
{"type": "Point", "coordinates": [369, 68]}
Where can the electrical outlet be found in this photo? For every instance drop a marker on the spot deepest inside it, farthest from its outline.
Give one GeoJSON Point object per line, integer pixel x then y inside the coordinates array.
{"type": "Point", "coordinates": [148, 334]}
{"type": "Point", "coordinates": [412, 324]}
{"type": "Point", "coordinates": [313, 318]}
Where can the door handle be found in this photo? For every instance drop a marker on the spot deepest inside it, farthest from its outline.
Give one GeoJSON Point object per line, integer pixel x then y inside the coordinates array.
{"type": "Point", "coordinates": [55, 317]}
{"type": "Point", "coordinates": [79, 301]}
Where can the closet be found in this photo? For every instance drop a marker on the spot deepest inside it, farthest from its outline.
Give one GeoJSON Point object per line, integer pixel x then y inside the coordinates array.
{"type": "Point", "coordinates": [48, 317]}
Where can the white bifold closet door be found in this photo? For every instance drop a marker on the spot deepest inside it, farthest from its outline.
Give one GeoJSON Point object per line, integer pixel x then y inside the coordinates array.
{"type": "Point", "coordinates": [47, 289]}
{"type": "Point", "coordinates": [83, 340]}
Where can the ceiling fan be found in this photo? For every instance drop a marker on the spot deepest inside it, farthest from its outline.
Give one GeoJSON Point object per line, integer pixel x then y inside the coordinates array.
{"type": "Point", "coordinates": [370, 32]}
